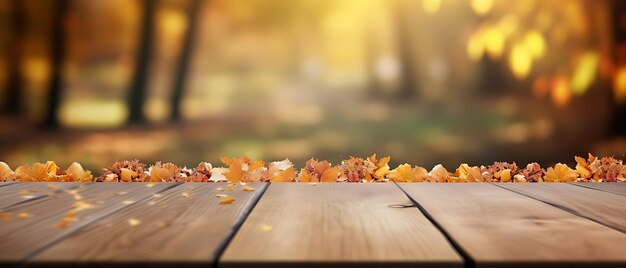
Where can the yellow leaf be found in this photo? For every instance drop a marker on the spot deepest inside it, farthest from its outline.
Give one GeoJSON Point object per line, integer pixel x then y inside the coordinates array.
{"type": "Point", "coordinates": [505, 175]}
{"type": "Point", "coordinates": [402, 173]}
{"type": "Point", "coordinates": [266, 228]}
{"type": "Point", "coordinates": [127, 175]}
{"type": "Point", "coordinates": [77, 173]}
{"type": "Point", "coordinates": [133, 222]}
{"type": "Point", "coordinates": [560, 173]}
{"type": "Point", "coordinates": [381, 172]}
{"type": "Point", "coordinates": [439, 174]}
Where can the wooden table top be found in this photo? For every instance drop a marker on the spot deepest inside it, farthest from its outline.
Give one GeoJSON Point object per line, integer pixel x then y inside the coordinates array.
{"type": "Point", "coordinates": [325, 224]}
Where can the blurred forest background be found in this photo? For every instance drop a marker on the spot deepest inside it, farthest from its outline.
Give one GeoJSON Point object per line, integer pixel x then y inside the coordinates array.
{"type": "Point", "coordinates": [424, 81]}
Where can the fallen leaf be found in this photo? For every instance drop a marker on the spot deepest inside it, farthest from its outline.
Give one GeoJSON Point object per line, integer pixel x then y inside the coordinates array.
{"type": "Point", "coordinates": [560, 173]}
{"type": "Point", "coordinates": [5, 216]}
{"type": "Point", "coordinates": [76, 172]}
{"type": "Point", "coordinates": [128, 202]}
{"type": "Point", "coordinates": [24, 215]}
{"type": "Point", "coordinates": [150, 185]}
{"type": "Point", "coordinates": [6, 174]}
{"type": "Point", "coordinates": [133, 222]}
{"type": "Point", "coordinates": [185, 194]}
{"type": "Point", "coordinates": [227, 200]}
{"type": "Point", "coordinates": [266, 228]}
{"type": "Point", "coordinates": [247, 188]}
{"type": "Point", "coordinates": [52, 186]}
{"type": "Point", "coordinates": [330, 175]}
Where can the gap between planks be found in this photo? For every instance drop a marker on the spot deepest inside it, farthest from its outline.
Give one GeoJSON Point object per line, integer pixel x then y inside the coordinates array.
{"type": "Point", "coordinates": [467, 259]}
{"type": "Point", "coordinates": [235, 228]}
{"type": "Point", "coordinates": [603, 186]}
{"type": "Point", "coordinates": [573, 203]}
{"type": "Point", "coordinates": [85, 225]}
{"type": "Point", "coordinates": [29, 249]}
{"type": "Point", "coordinates": [475, 214]}
{"type": "Point", "coordinates": [194, 211]}
{"type": "Point", "coordinates": [14, 198]}
{"type": "Point", "coordinates": [307, 231]}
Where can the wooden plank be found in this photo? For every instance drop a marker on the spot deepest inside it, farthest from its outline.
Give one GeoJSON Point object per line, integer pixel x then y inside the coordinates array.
{"type": "Point", "coordinates": [22, 238]}
{"type": "Point", "coordinates": [337, 224]}
{"type": "Point", "coordinates": [21, 192]}
{"type": "Point", "coordinates": [173, 229]}
{"type": "Point", "coordinates": [604, 207]}
{"type": "Point", "coordinates": [495, 226]}
{"type": "Point", "coordinates": [611, 187]}
{"type": "Point", "coordinates": [2, 184]}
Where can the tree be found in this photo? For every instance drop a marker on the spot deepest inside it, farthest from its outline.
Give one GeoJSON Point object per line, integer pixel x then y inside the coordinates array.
{"type": "Point", "coordinates": [182, 70]}
{"type": "Point", "coordinates": [618, 110]}
{"type": "Point", "coordinates": [408, 84]}
{"type": "Point", "coordinates": [14, 100]}
{"type": "Point", "coordinates": [57, 51]}
{"type": "Point", "coordinates": [139, 83]}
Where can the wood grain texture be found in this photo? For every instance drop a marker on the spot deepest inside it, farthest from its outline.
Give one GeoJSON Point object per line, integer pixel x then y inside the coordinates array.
{"type": "Point", "coordinates": [495, 226]}
{"type": "Point", "coordinates": [604, 207]}
{"type": "Point", "coordinates": [173, 228]}
{"type": "Point", "coordinates": [333, 223]}
{"type": "Point", "coordinates": [22, 192]}
{"type": "Point", "coordinates": [611, 187]}
{"type": "Point", "coordinates": [24, 237]}
{"type": "Point", "coordinates": [2, 184]}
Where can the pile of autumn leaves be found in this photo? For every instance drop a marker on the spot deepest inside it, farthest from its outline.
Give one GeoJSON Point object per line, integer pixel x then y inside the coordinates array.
{"type": "Point", "coordinates": [355, 169]}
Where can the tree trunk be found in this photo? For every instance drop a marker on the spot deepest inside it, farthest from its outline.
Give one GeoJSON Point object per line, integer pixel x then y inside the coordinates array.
{"type": "Point", "coordinates": [408, 85]}
{"type": "Point", "coordinates": [14, 98]}
{"type": "Point", "coordinates": [139, 83]}
{"type": "Point", "coordinates": [57, 52]}
{"type": "Point", "coordinates": [182, 70]}
{"type": "Point", "coordinates": [618, 110]}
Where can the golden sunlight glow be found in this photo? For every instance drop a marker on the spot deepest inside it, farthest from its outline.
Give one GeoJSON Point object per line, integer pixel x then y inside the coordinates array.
{"type": "Point", "coordinates": [561, 92]}
{"type": "Point", "coordinates": [36, 69]}
{"type": "Point", "coordinates": [535, 44]}
{"type": "Point", "coordinates": [482, 7]}
{"type": "Point", "coordinates": [619, 84]}
{"type": "Point", "coordinates": [494, 42]}
{"type": "Point", "coordinates": [431, 6]}
{"type": "Point", "coordinates": [508, 24]}
{"type": "Point", "coordinates": [172, 22]}
{"type": "Point", "coordinates": [93, 113]}
{"type": "Point", "coordinates": [585, 73]}
{"type": "Point", "coordinates": [475, 47]}
{"type": "Point", "coordinates": [520, 61]}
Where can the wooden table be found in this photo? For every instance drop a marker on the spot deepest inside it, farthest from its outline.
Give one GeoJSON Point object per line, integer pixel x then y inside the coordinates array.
{"type": "Point", "coordinates": [327, 224]}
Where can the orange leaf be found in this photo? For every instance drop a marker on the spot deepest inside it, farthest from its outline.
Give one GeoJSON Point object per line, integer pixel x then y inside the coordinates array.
{"type": "Point", "coordinates": [227, 200]}
{"type": "Point", "coordinates": [235, 172]}
{"type": "Point", "coordinates": [331, 175]}
{"type": "Point", "coordinates": [286, 175]}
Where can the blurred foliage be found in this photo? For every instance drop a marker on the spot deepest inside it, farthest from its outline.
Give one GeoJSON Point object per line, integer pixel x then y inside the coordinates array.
{"type": "Point", "coordinates": [526, 80]}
